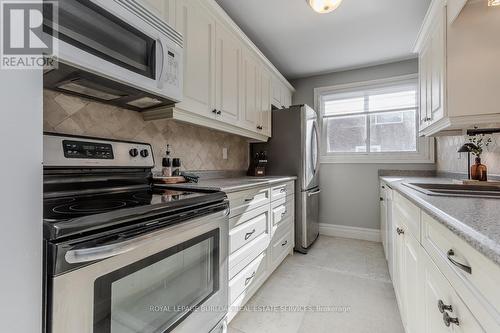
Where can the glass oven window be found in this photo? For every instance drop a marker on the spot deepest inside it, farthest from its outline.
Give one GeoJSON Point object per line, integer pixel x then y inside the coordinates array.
{"type": "Point", "coordinates": [89, 27]}
{"type": "Point", "coordinates": [157, 293]}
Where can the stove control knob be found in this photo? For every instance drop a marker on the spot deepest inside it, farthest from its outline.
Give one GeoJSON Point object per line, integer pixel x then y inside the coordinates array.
{"type": "Point", "coordinates": [133, 152]}
{"type": "Point", "coordinates": [144, 153]}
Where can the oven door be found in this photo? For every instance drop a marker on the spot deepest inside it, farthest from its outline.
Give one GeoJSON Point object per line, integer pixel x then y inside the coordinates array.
{"type": "Point", "coordinates": [121, 41]}
{"type": "Point", "coordinates": [172, 280]}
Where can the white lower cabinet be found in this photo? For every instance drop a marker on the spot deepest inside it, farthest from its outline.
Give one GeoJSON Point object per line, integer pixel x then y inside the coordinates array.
{"type": "Point", "coordinates": [441, 283]}
{"type": "Point", "coordinates": [261, 236]}
{"type": "Point", "coordinates": [442, 309]}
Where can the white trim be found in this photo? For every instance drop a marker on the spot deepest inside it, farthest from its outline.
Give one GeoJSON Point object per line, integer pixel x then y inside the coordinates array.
{"type": "Point", "coordinates": [343, 231]}
{"type": "Point", "coordinates": [197, 120]}
{"type": "Point", "coordinates": [422, 36]}
{"type": "Point", "coordinates": [426, 155]}
{"type": "Point", "coordinates": [222, 15]}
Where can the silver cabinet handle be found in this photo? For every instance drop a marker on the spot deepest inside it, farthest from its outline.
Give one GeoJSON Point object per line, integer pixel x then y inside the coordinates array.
{"type": "Point", "coordinates": [249, 200]}
{"type": "Point", "coordinates": [249, 234]}
{"type": "Point", "coordinates": [449, 320]}
{"type": "Point", "coordinates": [283, 244]}
{"type": "Point", "coordinates": [284, 213]}
{"type": "Point", "coordinates": [314, 193]}
{"type": "Point", "coordinates": [283, 190]}
{"type": "Point", "coordinates": [443, 307]}
{"type": "Point", "coordinates": [463, 267]}
{"type": "Point", "coordinates": [400, 231]}
{"type": "Point", "coordinates": [248, 279]}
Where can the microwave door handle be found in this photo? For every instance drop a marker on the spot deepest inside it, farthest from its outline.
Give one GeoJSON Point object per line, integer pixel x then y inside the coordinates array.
{"type": "Point", "coordinates": [84, 255]}
{"type": "Point", "coordinates": [160, 57]}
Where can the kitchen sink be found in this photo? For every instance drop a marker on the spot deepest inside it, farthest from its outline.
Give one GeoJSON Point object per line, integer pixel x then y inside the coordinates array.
{"type": "Point", "coordinates": [457, 190]}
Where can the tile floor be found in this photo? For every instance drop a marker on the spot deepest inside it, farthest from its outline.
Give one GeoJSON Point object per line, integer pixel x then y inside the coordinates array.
{"type": "Point", "coordinates": [342, 273]}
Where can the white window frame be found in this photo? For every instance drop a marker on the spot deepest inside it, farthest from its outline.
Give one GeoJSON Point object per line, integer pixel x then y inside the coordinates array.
{"type": "Point", "coordinates": [425, 146]}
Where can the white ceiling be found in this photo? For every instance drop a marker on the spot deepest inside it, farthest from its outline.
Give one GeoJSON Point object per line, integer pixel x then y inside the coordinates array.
{"type": "Point", "coordinates": [302, 43]}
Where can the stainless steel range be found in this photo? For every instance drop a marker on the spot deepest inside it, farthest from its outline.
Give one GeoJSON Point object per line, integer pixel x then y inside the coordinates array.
{"type": "Point", "coordinates": [122, 255]}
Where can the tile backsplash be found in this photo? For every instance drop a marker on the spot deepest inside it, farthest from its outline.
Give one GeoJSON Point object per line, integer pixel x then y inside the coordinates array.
{"type": "Point", "coordinates": [448, 161]}
{"type": "Point", "coordinates": [198, 148]}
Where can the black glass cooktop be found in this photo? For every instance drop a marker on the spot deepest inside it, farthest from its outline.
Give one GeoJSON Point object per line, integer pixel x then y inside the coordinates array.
{"type": "Point", "coordinates": [65, 208]}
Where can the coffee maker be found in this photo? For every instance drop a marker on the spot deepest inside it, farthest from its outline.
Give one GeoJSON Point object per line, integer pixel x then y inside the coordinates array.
{"type": "Point", "coordinates": [258, 164]}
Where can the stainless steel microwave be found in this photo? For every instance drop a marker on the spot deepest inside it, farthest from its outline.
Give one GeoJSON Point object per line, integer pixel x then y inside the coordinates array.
{"type": "Point", "coordinates": [116, 52]}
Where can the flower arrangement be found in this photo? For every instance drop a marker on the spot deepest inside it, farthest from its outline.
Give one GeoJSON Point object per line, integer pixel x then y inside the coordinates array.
{"type": "Point", "coordinates": [480, 142]}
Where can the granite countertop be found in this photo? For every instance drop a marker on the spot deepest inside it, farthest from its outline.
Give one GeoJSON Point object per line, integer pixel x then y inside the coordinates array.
{"type": "Point", "coordinates": [475, 220]}
{"type": "Point", "coordinates": [235, 184]}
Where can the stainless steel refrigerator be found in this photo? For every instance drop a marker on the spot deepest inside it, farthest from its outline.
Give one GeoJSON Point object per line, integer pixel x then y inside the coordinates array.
{"type": "Point", "coordinates": [294, 150]}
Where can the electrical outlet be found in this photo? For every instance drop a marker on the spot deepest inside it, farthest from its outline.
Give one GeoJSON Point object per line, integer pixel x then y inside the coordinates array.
{"type": "Point", "coordinates": [224, 153]}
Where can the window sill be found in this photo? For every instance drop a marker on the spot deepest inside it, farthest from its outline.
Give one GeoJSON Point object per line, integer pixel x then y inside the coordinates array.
{"type": "Point", "coordinates": [426, 155]}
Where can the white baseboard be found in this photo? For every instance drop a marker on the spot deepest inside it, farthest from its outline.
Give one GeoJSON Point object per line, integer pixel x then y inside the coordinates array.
{"type": "Point", "coordinates": [335, 230]}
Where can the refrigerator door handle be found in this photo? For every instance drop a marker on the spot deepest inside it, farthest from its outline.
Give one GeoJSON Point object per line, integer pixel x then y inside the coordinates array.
{"type": "Point", "coordinates": [313, 193]}
{"type": "Point", "coordinates": [315, 152]}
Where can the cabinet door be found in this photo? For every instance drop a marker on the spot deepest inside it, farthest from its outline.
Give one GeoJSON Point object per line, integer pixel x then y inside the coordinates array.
{"type": "Point", "coordinates": [437, 289]}
{"type": "Point", "coordinates": [251, 92]}
{"type": "Point", "coordinates": [398, 269]}
{"type": "Point", "coordinates": [412, 286]}
{"type": "Point", "coordinates": [286, 97]}
{"type": "Point", "coordinates": [198, 29]}
{"type": "Point", "coordinates": [437, 72]}
{"type": "Point", "coordinates": [423, 80]}
{"type": "Point", "coordinates": [265, 109]}
{"type": "Point", "coordinates": [383, 219]}
{"type": "Point", "coordinates": [276, 101]}
{"type": "Point", "coordinates": [228, 75]}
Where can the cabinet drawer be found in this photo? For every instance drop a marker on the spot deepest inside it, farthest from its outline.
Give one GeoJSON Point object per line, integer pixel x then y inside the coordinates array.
{"type": "Point", "coordinates": [408, 214]}
{"type": "Point", "coordinates": [282, 190]}
{"type": "Point", "coordinates": [246, 232]}
{"type": "Point", "coordinates": [244, 256]}
{"type": "Point", "coordinates": [244, 201]}
{"type": "Point", "coordinates": [478, 287]}
{"type": "Point", "coordinates": [244, 279]}
{"type": "Point", "coordinates": [437, 289]}
{"type": "Point", "coordinates": [281, 244]}
{"type": "Point", "coordinates": [282, 209]}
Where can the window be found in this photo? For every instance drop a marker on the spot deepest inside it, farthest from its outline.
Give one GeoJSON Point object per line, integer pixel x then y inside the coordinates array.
{"type": "Point", "coordinates": [373, 121]}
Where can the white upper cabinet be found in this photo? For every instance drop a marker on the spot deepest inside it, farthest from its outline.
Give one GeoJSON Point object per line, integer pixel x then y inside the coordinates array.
{"type": "Point", "coordinates": [228, 75]}
{"type": "Point", "coordinates": [457, 48]}
{"type": "Point", "coordinates": [251, 91]}
{"type": "Point", "coordinates": [198, 29]}
{"type": "Point", "coordinates": [281, 95]}
{"type": "Point", "coordinates": [228, 83]}
{"type": "Point", "coordinates": [265, 108]}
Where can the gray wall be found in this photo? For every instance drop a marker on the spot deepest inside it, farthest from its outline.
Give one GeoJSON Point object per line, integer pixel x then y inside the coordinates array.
{"type": "Point", "coordinates": [350, 191]}
{"type": "Point", "coordinates": [21, 201]}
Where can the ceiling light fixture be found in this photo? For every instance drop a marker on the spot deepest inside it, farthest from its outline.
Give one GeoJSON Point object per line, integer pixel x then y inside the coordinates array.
{"type": "Point", "coordinates": [493, 3]}
{"type": "Point", "coordinates": [327, 6]}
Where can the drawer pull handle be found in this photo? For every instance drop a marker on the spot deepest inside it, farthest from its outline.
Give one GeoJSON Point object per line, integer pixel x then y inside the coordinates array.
{"type": "Point", "coordinates": [286, 242]}
{"type": "Point", "coordinates": [463, 267]}
{"type": "Point", "coordinates": [249, 200]}
{"type": "Point", "coordinates": [283, 190]}
{"type": "Point", "coordinates": [248, 279]}
{"type": "Point", "coordinates": [284, 213]}
{"type": "Point", "coordinates": [400, 231]}
{"type": "Point", "coordinates": [249, 234]}
{"type": "Point", "coordinates": [443, 307]}
{"type": "Point", "coordinates": [449, 320]}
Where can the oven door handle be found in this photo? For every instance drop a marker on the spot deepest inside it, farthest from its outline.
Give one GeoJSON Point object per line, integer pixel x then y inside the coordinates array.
{"type": "Point", "coordinates": [84, 255]}
{"type": "Point", "coordinates": [79, 256]}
